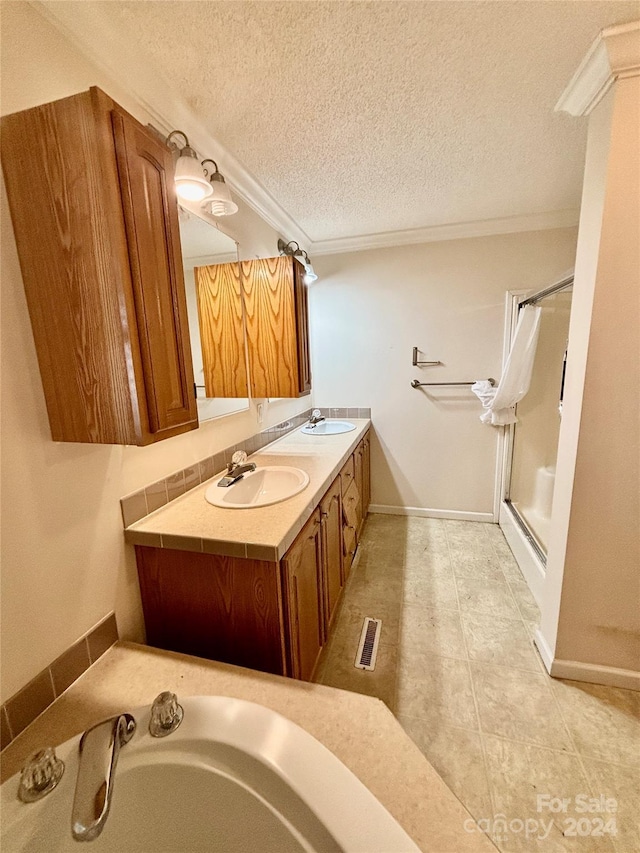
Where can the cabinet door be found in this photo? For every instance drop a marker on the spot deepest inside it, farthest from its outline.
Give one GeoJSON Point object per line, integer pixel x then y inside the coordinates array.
{"type": "Point", "coordinates": [145, 169]}
{"type": "Point", "coordinates": [358, 457]}
{"type": "Point", "coordinates": [351, 521]}
{"type": "Point", "coordinates": [331, 515]}
{"type": "Point", "coordinates": [302, 568]}
{"type": "Point", "coordinates": [302, 331]}
{"type": "Point", "coordinates": [366, 475]}
{"type": "Point", "coordinates": [221, 330]}
{"type": "Point", "coordinates": [268, 291]}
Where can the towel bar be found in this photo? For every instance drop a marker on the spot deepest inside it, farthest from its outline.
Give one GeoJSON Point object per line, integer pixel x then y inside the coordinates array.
{"type": "Point", "coordinates": [416, 384]}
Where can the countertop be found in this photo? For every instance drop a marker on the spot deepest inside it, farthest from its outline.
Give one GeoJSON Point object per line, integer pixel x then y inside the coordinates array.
{"type": "Point", "coordinates": [262, 533]}
{"type": "Point", "coordinates": [359, 730]}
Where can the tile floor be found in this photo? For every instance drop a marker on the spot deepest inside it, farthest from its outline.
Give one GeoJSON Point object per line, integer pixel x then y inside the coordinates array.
{"type": "Point", "coordinates": [458, 668]}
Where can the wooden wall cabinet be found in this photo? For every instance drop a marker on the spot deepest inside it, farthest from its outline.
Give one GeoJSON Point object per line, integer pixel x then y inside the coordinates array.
{"type": "Point", "coordinates": [95, 216]}
{"type": "Point", "coordinates": [273, 617]}
{"type": "Point", "coordinates": [275, 299]}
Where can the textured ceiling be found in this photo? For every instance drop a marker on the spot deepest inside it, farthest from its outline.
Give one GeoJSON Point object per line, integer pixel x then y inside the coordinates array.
{"type": "Point", "coordinates": [370, 117]}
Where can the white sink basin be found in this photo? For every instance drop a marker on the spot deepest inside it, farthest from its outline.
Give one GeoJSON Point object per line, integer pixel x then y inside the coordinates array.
{"type": "Point", "coordinates": [328, 428]}
{"type": "Point", "coordinates": [234, 777]}
{"type": "Point", "coordinates": [264, 486]}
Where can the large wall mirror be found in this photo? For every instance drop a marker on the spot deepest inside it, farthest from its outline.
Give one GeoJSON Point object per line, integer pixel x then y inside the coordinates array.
{"type": "Point", "coordinates": [216, 321]}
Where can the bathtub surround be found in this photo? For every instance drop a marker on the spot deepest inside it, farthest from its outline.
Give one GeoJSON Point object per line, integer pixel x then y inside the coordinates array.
{"type": "Point", "coordinates": [359, 731]}
{"type": "Point", "coordinates": [431, 455]}
{"type": "Point", "coordinates": [21, 710]}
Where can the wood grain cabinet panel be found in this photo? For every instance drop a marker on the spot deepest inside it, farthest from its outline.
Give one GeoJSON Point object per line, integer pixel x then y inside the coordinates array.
{"type": "Point", "coordinates": [277, 327]}
{"type": "Point", "coordinates": [331, 525]}
{"type": "Point", "coordinates": [302, 573]}
{"type": "Point", "coordinates": [222, 608]}
{"type": "Point", "coordinates": [221, 322]}
{"type": "Point", "coordinates": [96, 227]}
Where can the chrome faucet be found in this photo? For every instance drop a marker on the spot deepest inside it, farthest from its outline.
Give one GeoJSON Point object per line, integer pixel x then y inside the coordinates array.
{"type": "Point", "coordinates": [236, 469]}
{"type": "Point", "coordinates": [99, 750]}
{"type": "Point", "coordinates": [316, 417]}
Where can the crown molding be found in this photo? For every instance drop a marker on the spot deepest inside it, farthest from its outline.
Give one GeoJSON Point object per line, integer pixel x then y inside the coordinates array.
{"type": "Point", "coordinates": [150, 90]}
{"type": "Point", "coordinates": [615, 54]}
{"type": "Point", "coordinates": [167, 109]}
{"type": "Point", "coordinates": [453, 231]}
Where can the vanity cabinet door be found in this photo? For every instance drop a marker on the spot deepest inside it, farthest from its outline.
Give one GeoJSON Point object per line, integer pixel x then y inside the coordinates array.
{"type": "Point", "coordinates": [331, 520]}
{"type": "Point", "coordinates": [303, 583]}
{"type": "Point", "coordinates": [351, 522]}
{"type": "Point", "coordinates": [96, 224]}
{"type": "Point", "coordinates": [277, 327]}
{"type": "Point", "coordinates": [366, 474]}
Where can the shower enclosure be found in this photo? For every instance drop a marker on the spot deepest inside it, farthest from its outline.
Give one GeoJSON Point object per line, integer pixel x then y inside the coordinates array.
{"type": "Point", "coordinates": [532, 444]}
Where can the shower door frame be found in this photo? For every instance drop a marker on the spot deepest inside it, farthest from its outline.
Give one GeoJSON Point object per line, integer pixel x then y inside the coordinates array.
{"type": "Point", "coordinates": [529, 556]}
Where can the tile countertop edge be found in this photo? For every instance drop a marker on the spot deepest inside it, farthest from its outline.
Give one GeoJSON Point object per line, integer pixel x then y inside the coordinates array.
{"type": "Point", "coordinates": [148, 531]}
{"type": "Point", "coordinates": [359, 730]}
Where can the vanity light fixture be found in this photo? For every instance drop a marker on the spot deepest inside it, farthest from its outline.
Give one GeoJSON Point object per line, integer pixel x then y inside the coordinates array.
{"type": "Point", "coordinates": [191, 183]}
{"type": "Point", "coordinates": [219, 202]}
{"type": "Point", "coordinates": [293, 250]}
{"type": "Point", "coordinates": [309, 272]}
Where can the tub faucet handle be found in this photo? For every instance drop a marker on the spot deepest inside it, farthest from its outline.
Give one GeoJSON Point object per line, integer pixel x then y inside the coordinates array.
{"type": "Point", "coordinates": [166, 715]}
{"type": "Point", "coordinates": [40, 775]}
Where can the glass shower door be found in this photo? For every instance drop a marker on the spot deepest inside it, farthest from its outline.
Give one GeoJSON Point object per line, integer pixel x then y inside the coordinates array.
{"type": "Point", "coordinates": [535, 435]}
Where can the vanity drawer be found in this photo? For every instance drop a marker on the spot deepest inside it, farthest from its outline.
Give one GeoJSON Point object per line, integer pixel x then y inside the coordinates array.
{"type": "Point", "coordinates": [347, 475]}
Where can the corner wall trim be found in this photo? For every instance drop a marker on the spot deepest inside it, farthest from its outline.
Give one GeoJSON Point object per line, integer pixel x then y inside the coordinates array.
{"type": "Point", "coordinates": [427, 512]}
{"type": "Point", "coordinates": [545, 652]}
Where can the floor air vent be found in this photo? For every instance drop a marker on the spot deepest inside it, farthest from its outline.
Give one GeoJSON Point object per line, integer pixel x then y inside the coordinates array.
{"type": "Point", "coordinates": [368, 646]}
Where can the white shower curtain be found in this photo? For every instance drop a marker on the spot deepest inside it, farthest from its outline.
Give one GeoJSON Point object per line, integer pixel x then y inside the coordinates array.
{"type": "Point", "coordinates": [499, 403]}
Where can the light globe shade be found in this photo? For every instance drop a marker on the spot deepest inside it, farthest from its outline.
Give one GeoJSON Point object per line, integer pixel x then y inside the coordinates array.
{"type": "Point", "coordinates": [309, 274]}
{"type": "Point", "coordinates": [221, 203]}
{"type": "Point", "coordinates": [190, 181]}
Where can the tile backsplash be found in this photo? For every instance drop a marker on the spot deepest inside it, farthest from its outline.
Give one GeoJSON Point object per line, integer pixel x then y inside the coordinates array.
{"type": "Point", "coordinates": [152, 497]}
{"type": "Point", "coordinates": [36, 696]}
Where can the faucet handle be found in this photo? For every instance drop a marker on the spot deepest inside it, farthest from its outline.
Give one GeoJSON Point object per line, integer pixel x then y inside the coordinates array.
{"type": "Point", "coordinates": [316, 413]}
{"type": "Point", "coordinates": [238, 458]}
{"type": "Point", "coordinates": [166, 715]}
{"type": "Point", "coordinates": [40, 775]}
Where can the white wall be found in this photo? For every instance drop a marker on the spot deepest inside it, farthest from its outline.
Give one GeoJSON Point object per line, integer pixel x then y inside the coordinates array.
{"type": "Point", "coordinates": [590, 614]}
{"type": "Point", "coordinates": [368, 309]}
{"type": "Point", "coordinates": [64, 561]}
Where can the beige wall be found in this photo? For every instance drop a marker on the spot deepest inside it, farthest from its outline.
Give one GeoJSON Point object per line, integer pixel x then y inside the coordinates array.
{"type": "Point", "coordinates": [64, 561]}
{"type": "Point", "coordinates": [368, 309]}
{"type": "Point", "coordinates": [599, 606]}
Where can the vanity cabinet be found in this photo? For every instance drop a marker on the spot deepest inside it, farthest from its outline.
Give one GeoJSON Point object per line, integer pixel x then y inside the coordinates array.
{"type": "Point", "coordinates": [276, 311]}
{"type": "Point", "coordinates": [270, 616]}
{"type": "Point", "coordinates": [96, 222]}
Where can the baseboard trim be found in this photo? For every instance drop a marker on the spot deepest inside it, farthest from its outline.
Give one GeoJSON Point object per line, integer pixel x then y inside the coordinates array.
{"type": "Point", "coordinates": [593, 673]}
{"type": "Point", "coordinates": [427, 512]}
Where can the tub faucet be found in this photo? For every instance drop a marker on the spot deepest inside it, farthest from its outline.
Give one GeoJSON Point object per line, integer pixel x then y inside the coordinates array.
{"type": "Point", "coordinates": [316, 417]}
{"type": "Point", "coordinates": [99, 750]}
{"type": "Point", "coordinates": [236, 469]}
